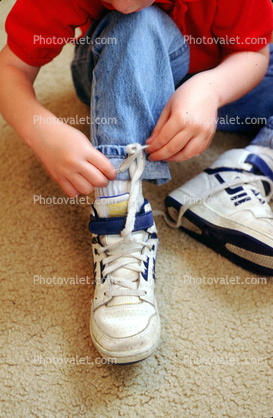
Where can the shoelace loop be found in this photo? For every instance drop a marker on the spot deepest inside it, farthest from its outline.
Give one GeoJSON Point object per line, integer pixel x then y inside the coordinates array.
{"type": "Point", "coordinates": [245, 178]}
{"type": "Point", "coordinates": [198, 199]}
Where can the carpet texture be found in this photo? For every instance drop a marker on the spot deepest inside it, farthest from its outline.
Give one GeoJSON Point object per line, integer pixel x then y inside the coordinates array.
{"type": "Point", "coordinates": [215, 357]}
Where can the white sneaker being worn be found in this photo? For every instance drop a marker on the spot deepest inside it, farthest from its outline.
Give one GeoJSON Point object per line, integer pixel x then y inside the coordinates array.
{"type": "Point", "coordinates": [225, 207]}
{"type": "Point", "coordinates": [125, 325]}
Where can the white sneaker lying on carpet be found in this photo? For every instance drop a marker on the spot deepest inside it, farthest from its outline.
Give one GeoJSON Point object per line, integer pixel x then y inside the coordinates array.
{"type": "Point", "coordinates": [225, 207]}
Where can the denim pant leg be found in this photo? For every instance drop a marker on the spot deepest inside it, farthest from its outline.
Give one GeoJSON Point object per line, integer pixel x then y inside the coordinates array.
{"type": "Point", "coordinates": [130, 77]}
{"type": "Point", "coordinates": [252, 111]}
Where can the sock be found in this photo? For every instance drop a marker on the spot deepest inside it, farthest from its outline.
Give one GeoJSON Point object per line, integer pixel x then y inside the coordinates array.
{"type": "Point", "coordinates": [117, 188]}
{"type": "Point", "coordinates": [114, 188]}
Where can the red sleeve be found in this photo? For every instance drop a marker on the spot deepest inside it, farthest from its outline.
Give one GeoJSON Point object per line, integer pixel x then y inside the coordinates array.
{"type": "Point", "coordinates": [37, 30]}
{"type": "Point", "coordinates": [248, 24]}
{"type": "Point", "coordinates": [216, 28]}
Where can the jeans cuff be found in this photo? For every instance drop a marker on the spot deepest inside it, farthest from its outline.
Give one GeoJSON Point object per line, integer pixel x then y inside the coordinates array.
{"type": "Point", "coordinates": [156, 172]}
{"type": "Point", "coordinates": [265, 136]}
{"type": "Point", "coordinates": [270, 122]}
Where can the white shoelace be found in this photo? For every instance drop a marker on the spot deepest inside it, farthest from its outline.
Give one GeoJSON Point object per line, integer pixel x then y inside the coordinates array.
{"type": "Point", "coordinates": [120, 254]}
{"type": "Point", "coordinates": [245, 178]}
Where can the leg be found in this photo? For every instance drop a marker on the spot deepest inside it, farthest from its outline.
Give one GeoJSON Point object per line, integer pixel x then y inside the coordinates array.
{"type": "Point", "coordinates": [131, 80]}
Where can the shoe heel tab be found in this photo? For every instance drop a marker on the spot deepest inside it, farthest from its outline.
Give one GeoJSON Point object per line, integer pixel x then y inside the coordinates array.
{"type": "Point", "coordinates": [259, 164]}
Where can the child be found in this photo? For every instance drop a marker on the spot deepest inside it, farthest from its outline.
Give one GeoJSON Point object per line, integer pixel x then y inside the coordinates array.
{"type": "Point", "coordinates": [162, 91]}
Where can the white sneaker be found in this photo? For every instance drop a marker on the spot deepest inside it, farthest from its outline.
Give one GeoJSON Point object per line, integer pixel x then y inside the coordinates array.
{"type": "Point", "coordinates": [125, 325]}
{"type": "Point", "coordinates": [225, 207]}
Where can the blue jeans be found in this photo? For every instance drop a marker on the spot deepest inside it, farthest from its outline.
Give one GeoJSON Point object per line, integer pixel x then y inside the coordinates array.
{"type": "Point", "coordinates": [127, 69]}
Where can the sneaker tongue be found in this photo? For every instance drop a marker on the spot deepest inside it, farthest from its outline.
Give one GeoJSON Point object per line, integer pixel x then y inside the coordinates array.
{"type": "Point", "coordinates": [109, 207]}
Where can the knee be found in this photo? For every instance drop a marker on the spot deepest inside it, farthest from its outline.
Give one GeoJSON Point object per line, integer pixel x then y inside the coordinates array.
{"type": "Point", "coordinates": [145, 29]}
{"type": "Point", "coordinates": [150, 17]}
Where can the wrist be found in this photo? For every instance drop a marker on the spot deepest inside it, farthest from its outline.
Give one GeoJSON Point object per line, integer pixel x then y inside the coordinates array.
{"type": "Point", "coordinates": [203, 90]}
{"type": "Point", "coordinates": [38, 127]}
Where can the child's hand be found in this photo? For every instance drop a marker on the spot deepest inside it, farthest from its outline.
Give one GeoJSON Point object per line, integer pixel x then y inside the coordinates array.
{"type": "Point", "coordinates": [66, 152]}
{"type": "Point", "coordinates": [71, 159]}
{"type": "Point", "coordinates": [186, 125]}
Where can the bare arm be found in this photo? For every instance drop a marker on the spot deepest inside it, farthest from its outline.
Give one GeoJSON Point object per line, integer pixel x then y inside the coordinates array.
{"type": "Point", "coordinates": [66, 152]}
{"type": "Point", "coordinates": [185, 127]}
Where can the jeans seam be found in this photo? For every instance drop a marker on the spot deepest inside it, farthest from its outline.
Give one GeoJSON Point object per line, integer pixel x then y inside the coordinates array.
{"type": "Point", "coordinates": [179, 52]}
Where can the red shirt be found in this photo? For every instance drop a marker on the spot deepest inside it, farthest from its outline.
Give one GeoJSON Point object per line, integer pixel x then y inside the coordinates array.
{"type": "Point", "coordinates": [37, 29]}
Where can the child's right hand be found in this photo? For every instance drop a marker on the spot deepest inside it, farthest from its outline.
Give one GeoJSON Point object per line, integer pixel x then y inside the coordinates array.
{"type": "Point", "coordinates": [71, 159]}
{"type": "Point", "coordinates": [66, 152]}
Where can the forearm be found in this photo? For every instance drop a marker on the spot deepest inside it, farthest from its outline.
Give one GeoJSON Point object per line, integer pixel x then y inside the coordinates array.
{"type": "Point", "coordinates": [18, 103]}
{"type": "Point", "coordinates": [235, 76]}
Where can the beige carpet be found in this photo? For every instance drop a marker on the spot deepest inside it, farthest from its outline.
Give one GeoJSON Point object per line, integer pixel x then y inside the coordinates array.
{"type": "Point", "coordinates": [209, 331]}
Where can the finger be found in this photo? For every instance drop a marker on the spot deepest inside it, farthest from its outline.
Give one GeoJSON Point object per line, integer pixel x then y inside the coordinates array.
{"type": "Point", "coordinates": [191, 149]}
{"type": "Point", "coordinates": [97, 159]}
{"type": "Point", "coordinates": [93, 175]}
{"type": "Point", "coordinates": [68, 188]}
{"type": "Point", "coordinates": [82, 185]}
{"type": "Point", "coordinates": [172, 147]}
{"type": "Point", "coordinates": [167, 134]}
{"type": "Point", "coordinates": [165, 115]}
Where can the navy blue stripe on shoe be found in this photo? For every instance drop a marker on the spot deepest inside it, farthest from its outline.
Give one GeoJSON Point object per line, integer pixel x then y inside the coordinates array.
{"type": "Point", "coordinates": [222, 170]}
{"type": "Point", "coordinates": [114, 226]}
{"type": "Point", "coordinates": [260, 164]}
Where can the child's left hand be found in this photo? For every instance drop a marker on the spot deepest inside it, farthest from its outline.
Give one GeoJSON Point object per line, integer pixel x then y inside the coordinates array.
{"type": "Point", "coordinates": [187, 124]}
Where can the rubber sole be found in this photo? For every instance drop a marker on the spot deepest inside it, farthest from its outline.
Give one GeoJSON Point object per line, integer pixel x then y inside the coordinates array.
{"type": "Point", "coordinates": [123, 358]}
{"type": "Point", "coordinates": [238, 247]}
